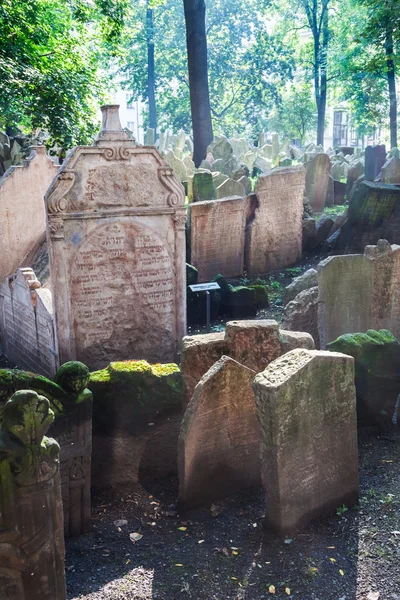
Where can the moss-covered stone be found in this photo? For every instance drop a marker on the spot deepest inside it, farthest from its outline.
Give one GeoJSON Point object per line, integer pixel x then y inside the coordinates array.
{"type": "Point", "coordinates": [203, 187]}
{"type": "Point", "coordinates": [377, 370]}
{"type": "Point", "coordinates": [242, 302]}
{"type": "Point", "coordinates": [261, 295]}
{"type": "Point", "coordinates": [133, 393]}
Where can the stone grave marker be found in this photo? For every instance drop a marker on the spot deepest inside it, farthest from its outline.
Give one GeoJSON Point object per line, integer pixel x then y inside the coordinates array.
{"type": "Point", "coordinates": [306, 406]}
{"type": "Point", "coordinates": [31, 522]}
{"type": "Point", "coordinates": [358, 292]}
{"type": "Point", "coordinates": [218, 448]}
{"type": "Point", "coordinates": [27, 324]}
{"type": "Point", "coordinates": [229, 188]}
{"type": "Point", "coordinates": [319, 183]}
{"type": "Point", "coordinates": [375, 158]}
{"type": "Point", "coordinates": [116, 222]}
{"type": "Point", "coordinates": [217, 229]}
{"type": "Point", "coordinates": [391, 170]}
{"type": "Point", "coordinates": [274, 235]}
{"type": "Point", "coordinates": [203, 187]}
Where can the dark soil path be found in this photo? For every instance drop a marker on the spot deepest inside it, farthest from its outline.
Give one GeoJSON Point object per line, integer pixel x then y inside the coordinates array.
{"type": "Point", "coordinates": [353, 556]}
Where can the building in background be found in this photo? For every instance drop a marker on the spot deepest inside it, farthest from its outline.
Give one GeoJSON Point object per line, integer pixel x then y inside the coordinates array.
{"type": "Point", "coordinates": [130, 113]}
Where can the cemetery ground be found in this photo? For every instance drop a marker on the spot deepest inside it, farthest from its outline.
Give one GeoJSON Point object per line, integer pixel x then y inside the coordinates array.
{"type": "Point", "coordinates": [142, 548]}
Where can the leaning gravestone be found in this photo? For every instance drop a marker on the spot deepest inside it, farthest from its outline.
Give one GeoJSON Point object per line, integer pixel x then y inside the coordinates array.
{"type": "Point", "coordinates": [218, 448]}
{"type": "Point", "coordinates": [31, 523]}
{"type": "Point", "coordinates": [374, 213]}
{"type": "Point", "coordinates": [274, 234]}
{"type": "Point", "coordinates": [306, 406]}
{"type": "Point", "coordinates": [217, 232]}
{"type": "Point", "coordinates": [116, 222]}
{"type": "Point", "coordinates": [27, 325]}
{"type": "Point", "coordinates": [358, 292]}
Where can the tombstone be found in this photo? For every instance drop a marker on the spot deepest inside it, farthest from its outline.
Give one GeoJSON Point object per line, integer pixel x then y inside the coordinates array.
{"type": "Point", "coordinates": [116, 221]}
{"type": "Point", "coordinates": [306, 406]}
{"type": "Point", "coordinates": [221, 148]}
{"type": "Point", "coordinates": [219, 178]}
{"type": "Point", "coordinates": [274, 234]}
{"type": "Point", "coordinates": [246, 183]}
{"type": "Point", "coordinates": [217, 230]}
{"type": "Point", "coordinates": [374, 213]}
{"type": "Point", "coordinates": [253, 343]}
{"type": "Point", "coordinates": [391, 170]}
{"type": "Point", "coordinates": [303, 282]}
{"type": "Point", "coordinates": [339, 192]}
{"type": "Point", "coordinates": [71, 403]}
{"type": "Point", "coordinates": [203, 187]}
{"type": "Point", "coordinates": [375, 158]}
{"type": "Point", "coordinates": [359, 292]}
{"type": "Point", "coordinates": [318, 182]}
{"type": "Point", "coordinates": [356, 170]}
{"type": "Point", "coordinates": [31, 522]}
{"type": "Point", "coordinates": [219, 441]}
{"type": "Point", "coordinates": [262, 163]}
{"type": "Point", "coordinates": [177, 165]}
{"type": "Point", "coordinates": [162, 138]}
{"type": "Point", "coordinates": [274, 147]}
{"type": "Point", "coordinates": [229, 188]}
{"type": "Point", "coordinates": [150, 137]}
{"type": "Point", "coordinates": [22, 211]}
{"type": "Point", "coordinates": [239, 146]}
{"type": "Point", "coordinates": [189, 165]}
{"type": "Point", "coordinates": [27, 324]}
{"type": "Point", "coordinates": [180, 142]}
{"type": "Point", "coordinates": [261, 139]}
{"type": "Point", "coordinates": [301, 314]}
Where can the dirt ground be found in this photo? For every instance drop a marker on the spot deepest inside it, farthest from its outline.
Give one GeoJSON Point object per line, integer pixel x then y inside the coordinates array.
{"type": "Point", "coordinates": [224, 553]}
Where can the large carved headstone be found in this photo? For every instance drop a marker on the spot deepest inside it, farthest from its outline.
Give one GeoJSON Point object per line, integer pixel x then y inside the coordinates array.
{"type": "Point", "coordinates": [217, 237]}
{"type": "Point", "coordinates": [71, 402]}
{"type": "Point", "coordinates": [31, 518]}
{"type": "Point", "coordinates": [116, 222]}
{"type": "Point", "coordinates": [306, 406]}
{"type": "Point", "coordinates": [274, 236]}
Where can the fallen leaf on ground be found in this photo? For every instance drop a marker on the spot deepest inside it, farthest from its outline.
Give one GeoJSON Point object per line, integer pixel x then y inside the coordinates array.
{"type": "Point", "coordinates": [182, 528]}
{"type": "Point", "coordinates": [288, 541]}
{"type": "Point", "coordinates": [287, 590]}
{"type": "Point", "coordinates": [200, 541]}
{"type": "Point", "coordinates": [341, 572]}
{"type": "Point", "coordinates": [178, 565]}
{"type": "Point", "coordinates": [135, 537]}
{"type": "Point", "coordinates": [271, 589]}
{"type": "Point", "coordinates": [332, 559]}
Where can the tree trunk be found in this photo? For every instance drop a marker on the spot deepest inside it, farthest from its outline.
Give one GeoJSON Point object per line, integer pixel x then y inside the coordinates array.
{"type": "Point", "coordinates": [322, 65]}
{"type": "Point", "coordinates": [196, 41]}
{"type": "Point", "coordinates": [151, 92]}
{"type": "Point", "coordinates": [392, 87]}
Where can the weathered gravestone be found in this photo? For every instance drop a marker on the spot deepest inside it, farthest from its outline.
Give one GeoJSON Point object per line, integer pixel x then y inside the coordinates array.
{"type": "Point", "coordinates": [203, 187]}
{"type": "Point", "coordinates": [301, 314]}
{"type": "Point", "coordinates": [217, 231]}
{"type": "Point", "coordinates": [230, 187]}
{"type": "Point", "coordinates": [306, 406]}
{"type": "Point", "coordinates": [219, 441]}
{"type": "Point", "coordinates": [391, 170]}
{"type": "Point", "coordinates": [71, 403]}
{"type": "Point", "coordinates": [374, 213]}
{"type": "Point", "coordinates": [358, 292]}
{"type": "Point", "coordinates": [252, 343]}
{"type": "Point", "coordinates": [375, 158]}
{"type": "Point", "coordinates": [22, 210]}
{"type": "Point", "coordinates": [27, 325]}
{"type": "Point", "coordinates": [274, 234]}
{"type": "Point", "coordinates": [318, 182]}
{"type": "Point", "coordinates": [377, 368]}
{"type": "Point", "coordinates": [31, 521]}
{"type": "Point", "coordinates": [116, 221]}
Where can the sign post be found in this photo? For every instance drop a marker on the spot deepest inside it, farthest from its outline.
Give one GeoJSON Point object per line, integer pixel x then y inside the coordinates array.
{"type": "Point", "coordinates": [206, 287]}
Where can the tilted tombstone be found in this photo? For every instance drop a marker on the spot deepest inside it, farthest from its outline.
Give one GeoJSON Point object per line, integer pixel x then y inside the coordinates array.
{"type": "Point", "coordinates": [218, 448]}
{"type": "Point", "coordinates": [306, 406]}
{"type": "Point", "coordinates": [71, 403]}
{"type": "Point", "coordinates": [116, 222]}
{"type": "Point", "coordinates": [253, 344]}
{"type": "Point", "coordinates": [31, 520]}
{"type": "Point", "coordinates": [375, 158]}
{"type": "Point", "coordinates": [229, 188]}
{"type": "Point", "coordinates": [357, 292]}
{"type": "Point", "coordinates": [27, 324]}
{"type": "Point", "coordinates": [217, 230]}
{"type": "Point", "coordinates": [318, 183]}
{"type": "Point", "coordinates": [274, 235]}
{"type": "Point", "coordinates": [391, 170]}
